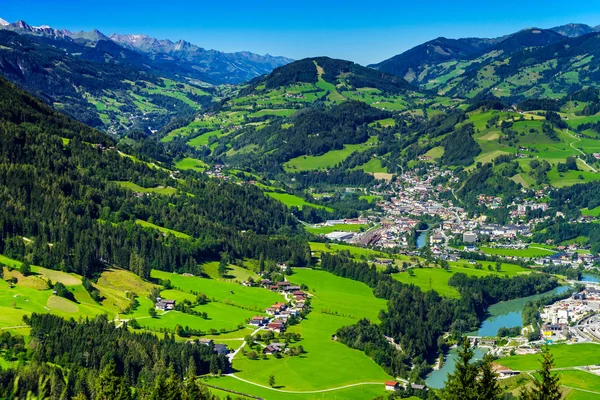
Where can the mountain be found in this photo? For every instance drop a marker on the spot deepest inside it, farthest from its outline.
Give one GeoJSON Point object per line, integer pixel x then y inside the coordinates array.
{"type": "Point", "coordinates": [336, 72]}
{"type": "Point", "coordinates": [103, 85]}
{"type": "Point", "coordinates": [575, 30]}
{"type": "Point", "coordinates": [210, 66]}
{"type": "Point", "coordinates": [410, 63]}
{"type": "Point", "coordinates": [302, 110]}
{"type": "Point", "coordinates": [431, 60]}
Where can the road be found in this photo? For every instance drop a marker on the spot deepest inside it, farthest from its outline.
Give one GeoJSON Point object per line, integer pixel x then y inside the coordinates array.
{"type": "Point", "coordinates": [306, 391]}
{"type": "Point", "coordinates": [575, 148]}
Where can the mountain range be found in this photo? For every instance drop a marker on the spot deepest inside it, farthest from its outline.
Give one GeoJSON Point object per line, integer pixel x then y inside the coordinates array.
{"type": "Point", "coordinates": [211, 66]}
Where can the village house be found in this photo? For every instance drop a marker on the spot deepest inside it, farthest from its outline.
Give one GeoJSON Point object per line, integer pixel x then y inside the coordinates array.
{"type": "Point", "coordinates": [392, 385]}
{"type": "Point", "coordinates": [503, 372]}
{"type": "Point", "coordinates": [276, 326]}
{"type": "Point", "coordinates": [221, 349]}
{"type": "Point", "coordinates": [272, 311]}
{"type": "Point", "coordinates": [274, 348]}
{"type": "Point", "coordinates": [164, 305]}
{"type": "Point", "coordinates": [258, 321]}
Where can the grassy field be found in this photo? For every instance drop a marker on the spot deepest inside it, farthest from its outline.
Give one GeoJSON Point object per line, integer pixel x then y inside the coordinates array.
{"type": "Point", "coordinates": [327, 160]}
{"type": "Point", "coordinates": [291, 200]}
{"type": "Point", "coordinates": [437, 278]}
{"type": "Point", "coordinates": [255, 299]}
{"type": "Point", "coordinates": [364, 392]}
{"type": "Point", "coordinates": [526, 253]}
{"type": "Point", "coordinates": [220, 317]}
{"type": "Point", "coordinates": [373, 166]}
{"type": "Point", "coordinates": [139, 189]}
{"type": "Point", "coordinates": [323, 230]}
{"type": "Point", "coordinates": [191, 164]}
{"type": "Point", "coordinates": [202, 140]}
{"type": "Point", "coordinates": [564, 356]}
{"type": "Point", "coordinates": [354, 251]}
{"type": "Point", "coordinates": [594, 212]}
{"type": "Point", "coordinates": [178, 234]}
{"type": "Point", "coordinates": [336, 302]}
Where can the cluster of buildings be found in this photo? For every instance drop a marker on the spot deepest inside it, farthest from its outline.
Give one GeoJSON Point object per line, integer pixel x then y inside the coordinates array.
{"type": "Point", "coordinates": [280, 313]}
{"type": "Point", "coordinates": [573, 318]}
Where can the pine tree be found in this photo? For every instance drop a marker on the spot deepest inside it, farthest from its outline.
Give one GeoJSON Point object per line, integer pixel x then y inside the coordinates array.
{"type": "Point", "coordinates": [110, 386]}
{"type": "Point", "coordinates": [487, 385]}
{"type": "Point", "coordinates": [462, 383]}
{"type": "Point", "coordinates": [548, 388]}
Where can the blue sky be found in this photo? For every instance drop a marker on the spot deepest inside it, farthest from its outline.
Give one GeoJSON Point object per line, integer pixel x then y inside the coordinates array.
{"type": "Point", "coordinates": [361, 31]}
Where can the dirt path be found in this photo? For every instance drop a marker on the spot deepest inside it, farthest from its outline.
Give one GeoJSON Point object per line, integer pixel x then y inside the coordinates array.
{"type": "Point", "coordinates": [575, 148]}
{"type": "Point", "coordinates": [305, 391]}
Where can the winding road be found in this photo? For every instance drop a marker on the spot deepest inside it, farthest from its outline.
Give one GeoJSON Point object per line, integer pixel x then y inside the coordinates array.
{"type": "Point", "coordinates": [575, 148]}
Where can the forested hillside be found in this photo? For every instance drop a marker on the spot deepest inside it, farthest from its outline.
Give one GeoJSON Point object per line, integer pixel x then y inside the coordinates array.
{"type": "Point", "coordinates": [65, 187]}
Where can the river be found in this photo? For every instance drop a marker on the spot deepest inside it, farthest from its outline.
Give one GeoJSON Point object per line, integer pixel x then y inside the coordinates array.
{"type": "Point", "coordinates": [506, 313]}
{"type": "Point", "coordinates": [422, 239]}
{"type": "Point", "coordinates": [590, 278]}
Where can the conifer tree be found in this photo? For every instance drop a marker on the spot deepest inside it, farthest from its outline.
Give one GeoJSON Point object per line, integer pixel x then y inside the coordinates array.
{"type": "Point", "coordinates": [462, 383]}
{"type": "Point", "coordinates": [547, 388]}
{"type": "Point", "coordinates": [487, 385]}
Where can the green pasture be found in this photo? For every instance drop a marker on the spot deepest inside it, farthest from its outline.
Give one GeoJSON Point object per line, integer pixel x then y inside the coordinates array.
{"type": "Point", "coordinates": [291, 200]}
{"type": "Point", "coordinates": [335, 302]}
{"type": "Point", "coordinates": [565, 355]}
{"type": "Point", "coordinates": [189, 163]}
{"type": "Point", "coordinates": [327, 160]}
{"type": "Point", "coordinates": [139, 189]}
{"type": "Point", "coordinates": [437, 278]}
{"type": "Point", "coordinates": [253, 298]}
{"type": "Point", "coordinates": [323, 230]}
{"type": "Point", "coordinates": [528, 252]}
{"type": "Point", "coordinates": [178, 234]}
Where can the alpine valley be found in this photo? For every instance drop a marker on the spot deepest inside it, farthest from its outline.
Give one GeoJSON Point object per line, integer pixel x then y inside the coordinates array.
{"type": "Point", "coordinates": [183, 223]}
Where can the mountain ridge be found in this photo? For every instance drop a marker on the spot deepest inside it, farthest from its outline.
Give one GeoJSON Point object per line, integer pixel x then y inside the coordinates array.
{"type": "Point", "coordinates": [216, 67]}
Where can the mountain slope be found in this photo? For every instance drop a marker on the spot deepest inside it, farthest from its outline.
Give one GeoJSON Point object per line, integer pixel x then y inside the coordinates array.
{"type": "Point", "coordinates": [104, 85]}
{"type": "Point", "coordinates": [411, 63]}
{"type": "Point", "coordinates": [64, 183]}
{"type": "Point", "coordinates": [429, 62]}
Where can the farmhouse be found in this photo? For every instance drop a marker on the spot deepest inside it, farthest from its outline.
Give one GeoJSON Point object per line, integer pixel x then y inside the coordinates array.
{"type": "Point", "coordinates": [221, 349]}
{"type": "Point", "coordinates": [206, 342]}
{"type": "Point", "coordinates": [276, 326]}
{"type": "Point", "coordinates": [274, 348]}
{"type": "Point", "coordinates": [392, 385]}
{"type": "Point", "coordinates": [503, 372]}
{"type": "Point", "coordinates": [164, 305]}
{"type": "Point", "coordinates": [258, 321]}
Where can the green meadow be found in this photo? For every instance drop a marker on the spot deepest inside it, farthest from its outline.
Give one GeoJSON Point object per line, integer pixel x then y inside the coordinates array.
{"type": "Point", "coordinates": [437, 278]}
{"type": "Point", "coordinates": [565, 356]}
{"type": "Point", "coordinates": [178, 234]}
{"type": "Point", "coordinates": [323, 230]}
{"type": "Point", "coordinates": [191, 164]}
{"type": "Point", "coordinates": [139, 189]}
{"type": "Point", "coordinates": [327, 160]}
{"type": "Point", "coordinates": [528, 252]}
{"type": "Point", "coordinates": [326, 363]}
{"type": "Point", "coordinates": [252, 298]}
{"type": "Point", "coordinates": [354, 251]}
{"type": "Point", "coordinates": [291, 200]}
{"type": "Point", "coordinates": [362, 392]}
{"type": "Point", "coordinates": [202, 140]}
